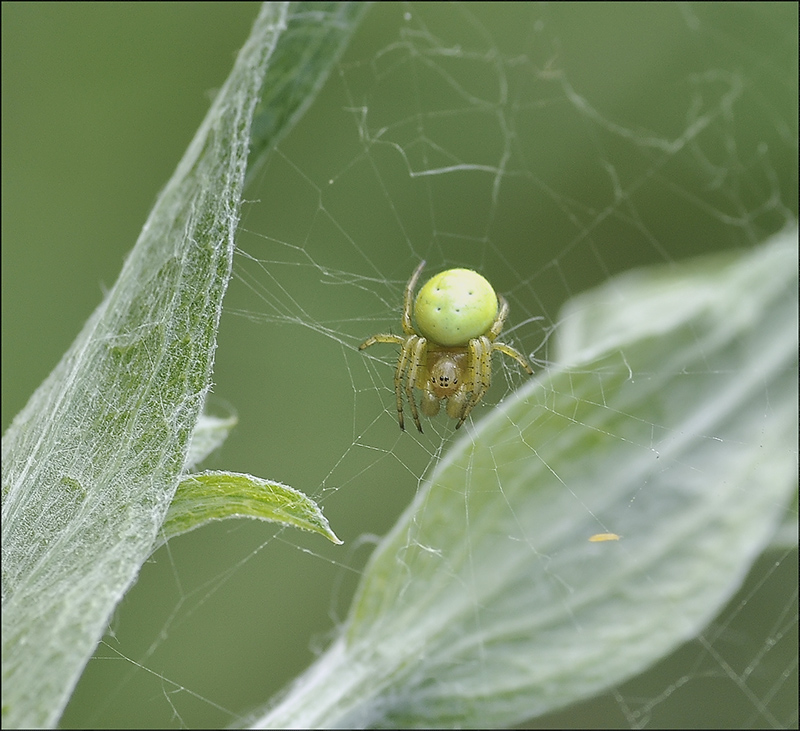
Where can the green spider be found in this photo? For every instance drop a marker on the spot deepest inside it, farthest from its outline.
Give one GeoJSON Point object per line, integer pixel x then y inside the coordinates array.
{"type": "Point", "coordinates": [448, 355]}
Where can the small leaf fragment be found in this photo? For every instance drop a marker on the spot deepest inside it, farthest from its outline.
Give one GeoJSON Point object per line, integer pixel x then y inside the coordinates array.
{"type": "Point", "coordinates": [209, 434]}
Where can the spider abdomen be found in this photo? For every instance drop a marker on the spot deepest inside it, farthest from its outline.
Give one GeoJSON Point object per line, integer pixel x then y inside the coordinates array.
{"type": "Point", "coordinates": [455, 306]}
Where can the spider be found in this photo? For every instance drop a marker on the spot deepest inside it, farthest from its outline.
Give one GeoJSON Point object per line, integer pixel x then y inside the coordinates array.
{"type": "Point", "coordinates": [448, 355]}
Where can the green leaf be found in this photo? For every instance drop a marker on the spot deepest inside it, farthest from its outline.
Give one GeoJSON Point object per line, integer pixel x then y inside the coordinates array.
{"type": "Point", "coordinates": [315, 36]}
{"type": "Point", "coordinates": [211, 496]}
{"type": "Point", "coordinates": [91, 464]}
{"type": "Point", "coordinates": [670, 420]}
{"type": "Point", "coordinates": [786, 536]}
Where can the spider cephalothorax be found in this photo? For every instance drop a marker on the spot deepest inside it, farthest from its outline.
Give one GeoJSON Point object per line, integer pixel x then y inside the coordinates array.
{"type": "Point", "coordinates": [448, 355]}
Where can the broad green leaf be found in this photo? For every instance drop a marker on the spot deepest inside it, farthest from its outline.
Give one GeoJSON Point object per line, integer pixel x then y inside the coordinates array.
{"type": "Point", "coordinates": [786, 536]}
{"type": "Point", "coordinates": [91, 464]}
{"type": "Point", "coordinates": [209, 496]}
{"type": "Point", "coordinates": [671, 421]}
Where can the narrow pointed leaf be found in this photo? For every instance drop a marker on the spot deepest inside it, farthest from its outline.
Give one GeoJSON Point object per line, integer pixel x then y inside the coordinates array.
{"type": "Point", "coordinates": [209, 496]}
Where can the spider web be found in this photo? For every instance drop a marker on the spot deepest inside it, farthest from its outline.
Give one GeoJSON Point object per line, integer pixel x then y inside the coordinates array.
{"type": "Point", "coordinates": [549, 148]}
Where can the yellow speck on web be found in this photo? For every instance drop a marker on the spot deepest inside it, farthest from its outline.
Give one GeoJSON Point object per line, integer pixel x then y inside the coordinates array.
{"type": "Point", "coordinates": [598, 537]}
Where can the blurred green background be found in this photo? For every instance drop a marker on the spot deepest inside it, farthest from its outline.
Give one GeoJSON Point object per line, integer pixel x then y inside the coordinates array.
{"type": "Point", "coordinates": [628, 134]}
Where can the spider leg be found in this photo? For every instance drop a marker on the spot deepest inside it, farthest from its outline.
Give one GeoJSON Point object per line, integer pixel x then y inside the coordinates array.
{"type": "Point", "coordinates": [500, 320]}
{"type": "Point", "coordinates": [495, 330]}
{"type": "Point", "coordinates": [480, 369]}
{"type": "Point", "coordinates": [402, 370]}
{"type": "Point", "coordinates": [416, 356]}
{"type": "Point", "coordinates": [512, 353]}
{"type": "Point", "coordinates": [382, 338]}
{"type": "Point", "coordinates": [408, 300]}
{"type": "Point", "coordinates": [402, 365]}
{"type": "Point", "coordinates": [475, 378]}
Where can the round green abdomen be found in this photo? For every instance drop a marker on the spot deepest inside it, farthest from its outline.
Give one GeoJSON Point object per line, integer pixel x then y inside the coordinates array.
{"type": "Point", "coordinates": [455, 306]}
